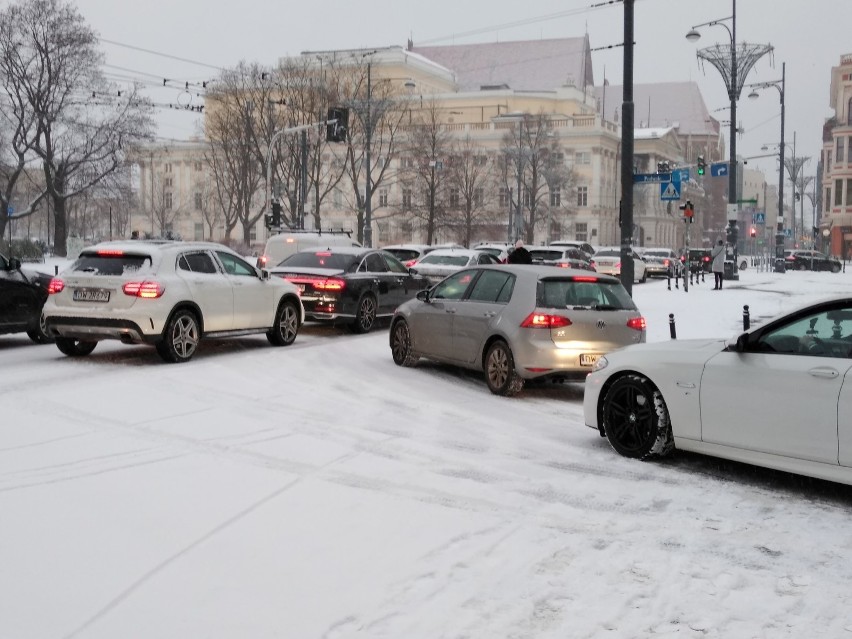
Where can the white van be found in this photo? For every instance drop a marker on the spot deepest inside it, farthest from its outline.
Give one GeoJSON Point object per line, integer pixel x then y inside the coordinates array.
{"type": "Point", "coordinates": [285, 244]}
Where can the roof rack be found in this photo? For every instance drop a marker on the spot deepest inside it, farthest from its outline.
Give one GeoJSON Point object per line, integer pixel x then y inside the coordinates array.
{"type": "Point", "coordinates": [328, 231]}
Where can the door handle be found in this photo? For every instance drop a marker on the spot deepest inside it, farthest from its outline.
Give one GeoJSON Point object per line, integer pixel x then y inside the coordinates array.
{"type": "Point", "coordinates": [489, 314]}
{"type": "Point", "coordinates": [824, 371]}
{"type": "Point", "coordinates": [451, 310]}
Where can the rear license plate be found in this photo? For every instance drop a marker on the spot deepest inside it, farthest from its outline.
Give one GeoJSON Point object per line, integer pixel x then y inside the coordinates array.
{"type": "Point", "coordinates": [91, 295]}
{"type": "Point", "coordinates": [589, 359]}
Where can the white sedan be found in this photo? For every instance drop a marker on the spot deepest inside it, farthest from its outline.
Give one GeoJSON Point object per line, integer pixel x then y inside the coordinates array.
{"type": "Point", "coordinates": [778, 396]}
{"type": "Point", "coordinates": [608, 261]}
{"type": "Point", "coordinates": [443, 262]}
{"type": "Point", "coordinates": [168, 294]}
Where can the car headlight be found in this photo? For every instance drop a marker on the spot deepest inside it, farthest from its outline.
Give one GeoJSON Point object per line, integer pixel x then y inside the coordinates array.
{"type": "Point", "coordinates": [601, 364]}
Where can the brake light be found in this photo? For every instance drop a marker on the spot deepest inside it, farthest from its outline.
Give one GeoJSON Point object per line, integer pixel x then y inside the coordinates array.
{"type": "Point", "coordinates": [564, 265]}
{"type": "Point", "coordinates": [322, 253]}
{"type": "Point", "coordinates": [544, 320]}
{"type": "Point", "coordinates": [110, 252]}
{"type": "Point", "coordinates": [637, 323]}
{"type": "Point", "coordinates": [331, 284]}
{"type": "Point", "coordinates": [56, 285]}
{"type": "Point", "coordinates": [585, 278]}
{"type": "Point", "coordinates": [706, 259]}
{"type": "Point", "coordinates": [411, 263]}
{"type": "Point", "coordinates": [666, 262]}
{"type": "Point", "coordinates": [262, 260]}
{"type": "Point", "coordinates": [146, 289]}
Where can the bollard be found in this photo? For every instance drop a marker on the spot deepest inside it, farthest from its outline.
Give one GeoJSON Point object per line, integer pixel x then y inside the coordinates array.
{"type": "Point", "coordinates": [668, 280]}
{"type": "Point", "coordinates": [56, 269]}
{"type": "Point", "coordinates": [672, 330]}
{"type": "Point", "coordinates": [746, 318]}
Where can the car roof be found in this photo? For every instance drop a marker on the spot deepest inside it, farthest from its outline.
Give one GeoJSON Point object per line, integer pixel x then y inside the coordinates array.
{"type": "Point", "coordinates": [155, 246]}
{"type": "Point", "coordinates": [411, 247]}
{"type": "Point", "coordinates": [540, 271]}
{"type": "Point", "coordinates": [455, 251]}
{"type": "Point", "coordinates": [340, 250]}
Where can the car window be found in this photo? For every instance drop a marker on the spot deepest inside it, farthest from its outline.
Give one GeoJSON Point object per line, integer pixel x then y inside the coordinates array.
{"type": "Point", "coordinates": [404, 254]}
{"type": "Point", "coordinates": [489, 287]}
{"type": "Point", "coordinates": [200, 262]}
{"type": "Point", "coordinates": [448, 260]}
{"type": "Point", "coordinates": [393, 264]}
{"type": "Point", "coordinates": [320, 259]}
{"type": "Point", "coordinates": [487, 258]}
{"type": "Point", "coordinates": [583, 292]}
{"type": "Point", "coordinates": [375, 264]}
{"type": "Point", "coordinates": [454, 287]}
{"type": "Point", "coordinates": [236, 266]}
{"type": "Point", "coordinates": [539, 255]}
{"type": "Point", "coordinates": [824, 334]}
{"type": "Point", "coordinates": [111, 263]}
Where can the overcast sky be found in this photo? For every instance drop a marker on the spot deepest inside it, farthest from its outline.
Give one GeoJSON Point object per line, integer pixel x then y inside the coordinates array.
{"type": "Point", "coordinates": [809, 36]}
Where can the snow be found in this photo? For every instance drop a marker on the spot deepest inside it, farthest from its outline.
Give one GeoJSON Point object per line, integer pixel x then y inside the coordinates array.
{"type": "Point", "coordinates": [321, 491]}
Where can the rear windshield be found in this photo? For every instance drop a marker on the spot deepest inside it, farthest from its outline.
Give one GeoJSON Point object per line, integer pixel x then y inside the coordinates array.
{"type": "Point", "coordinates": [403, 254]}
{"type": "Point", "coordinates": [583, 293]}
{"type": "Point", "coordinates": [117, 264]}
{"type": "Point", "coordinates": [320, 259]}
{"type": "Point", "coordinates": [541, 255]}
{"type": "Point", "coordinates": [451, 260]}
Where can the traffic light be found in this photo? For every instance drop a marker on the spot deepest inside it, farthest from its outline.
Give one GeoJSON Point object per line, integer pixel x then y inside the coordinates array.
{"type": "Point", "coordinates": [702, 167]}
{"type": "Point", "coordinates": [276, 213]}
{"type": "Point", "coordinates": [335, 131]}
{"type": "Point", "coordinates": [664, 167]}
{"type": "Point", "coordinates": [753, 231]}
{"type": "Point", "coordinates": [688, 212]}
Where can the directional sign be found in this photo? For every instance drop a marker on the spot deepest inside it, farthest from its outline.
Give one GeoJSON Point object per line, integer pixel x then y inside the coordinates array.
{"type": "Point", "coordinates": [638, 178]}
{"type": "Point", "coordinates": [758, 218]}
{"type": "Point", "coordinates": [670, 191]}
{"type": "Point", "coordinates": [680, 175]}
{"type": "Point", "coordinates": [719, 169]}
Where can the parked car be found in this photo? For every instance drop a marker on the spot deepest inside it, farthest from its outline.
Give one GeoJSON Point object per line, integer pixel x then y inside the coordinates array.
{"type": "Point", "coordinates": [661, 262]}
{"type": "Point", "coordinates": [812, 261]}
{"type": "Point", "coordinates": [699, 260]}
{"type": "Point", "coordinates": [608, 261]}
{"type": "Point", "coordinates": [168, 294]}
{"type": "Point", "coordinates": [517, 322]}
{"type": "Point", "coordinates": [351, 285]}
{"type": "Point", "coordinates": [283, 245]}
{"type": "Point", "coordinates": [776, 396]}
{"type": "Point", "coordinates": [564, 257]}
{"type": "Point", "coordinates": [587, 248]}
{"type": "Point", "coordinates": [500, 251]}
{"type": "Point", "coordinates": [408, 254]}
{"type": "Point", "coordinates": [439, 264]}
{"type": "Point", "coordinates": [22, 297]}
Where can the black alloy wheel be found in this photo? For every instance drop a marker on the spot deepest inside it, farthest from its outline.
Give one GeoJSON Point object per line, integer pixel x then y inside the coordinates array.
{"type": "Point", "coordinates": [400, 341]}
{"type": "Point", "coordinates": [365, 316]}
{"type": "Point", "coordinates": [286, 327]}
{"type": "Point", "coordinates": [500, 374]}
{"type": "Point", "coordinates": [39, 333]}
{"type": "Point", "coordinates": [181, 338]}
{"type": "Point", "coordinates": [635, 418]}
{"type": "Point", "coordinates": [75, 347]}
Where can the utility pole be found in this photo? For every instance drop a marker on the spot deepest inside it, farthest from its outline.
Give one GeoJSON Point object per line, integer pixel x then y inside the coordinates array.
{"type": "Point", "coordinates": [626, 206]}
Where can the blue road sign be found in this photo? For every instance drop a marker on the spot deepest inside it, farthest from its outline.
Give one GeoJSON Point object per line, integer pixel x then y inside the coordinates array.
{"type": "Point", "coordinates": [670, 191]}
{"type": "Point", "coordinates": [788, 232]}
{"type": "Point", "coordinates": [638, 178]}
{"type": "Point", "coordinates": [719, 169]}
{"type": "Point", "coordinates": [758, 218]}
{"type": "Point", "coordinates": [10, 210]}
{"type": "Point", "coordinates": [680, 175]}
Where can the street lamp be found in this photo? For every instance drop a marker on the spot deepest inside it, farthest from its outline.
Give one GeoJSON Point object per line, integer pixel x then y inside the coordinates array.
{"type": "Point", "coordinates": [734, 66]}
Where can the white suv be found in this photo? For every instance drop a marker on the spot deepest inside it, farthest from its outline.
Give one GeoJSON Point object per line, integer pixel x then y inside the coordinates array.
{"type": "Point", "coordinates": [169, 294]}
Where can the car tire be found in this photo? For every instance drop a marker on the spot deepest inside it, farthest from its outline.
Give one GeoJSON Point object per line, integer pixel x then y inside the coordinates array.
{"type": "Point", "coordinates": [644, 276]}
{"type": "Point", "coordinates": [635, 418]}
{"type": "Point", "coordinates": [400, 343]}
{"type": "Point", "coordinates": [181, 338]}
{"type": "Point", "coordinates": [500, 374]}
{"type": "Point", "coordinates": [802, 267]}
{"type": "Point", "coordinates": [365, 316]}
{"type": "Point", "coordinates": [286, 327]}
{"type": "Point", "coordinates": [835, 268]}
{"type": "Point", "coordinates": [75, 347]}
{"type": "Point", "coordinates": [39, 333]}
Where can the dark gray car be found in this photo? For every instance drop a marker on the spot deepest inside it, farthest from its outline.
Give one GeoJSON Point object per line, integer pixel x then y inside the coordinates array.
{"type": "Point", "coordinates": [517, 322]}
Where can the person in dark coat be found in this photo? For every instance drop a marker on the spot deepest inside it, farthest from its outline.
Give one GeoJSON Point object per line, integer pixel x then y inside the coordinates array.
{"type": "Point", "coordinates": [718, 256]}
{"type": "Point", "coordinates": [520, 255]}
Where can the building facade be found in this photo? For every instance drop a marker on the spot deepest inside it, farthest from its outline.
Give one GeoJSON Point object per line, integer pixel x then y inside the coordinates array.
{"type": "Point", "coordinates": [836, 216]}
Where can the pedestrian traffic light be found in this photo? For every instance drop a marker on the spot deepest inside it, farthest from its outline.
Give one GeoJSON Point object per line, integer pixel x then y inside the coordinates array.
{"type": "Point", "coordinates": [702, 167]}
{"type": "Point", "coordinates": [753, 231]}
{"type": "Point", "coordinates": [337, 124]}
{"type": "Point", "coordinates": [664, 167]}
{"type": "Point", "coordinates": [688, 212]}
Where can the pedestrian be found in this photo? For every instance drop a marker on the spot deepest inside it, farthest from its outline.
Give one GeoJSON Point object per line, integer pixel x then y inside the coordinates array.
{"type": "Point", "coordinates": [520, 255]}
{"type": "Point", "coordinates": [718, 257]}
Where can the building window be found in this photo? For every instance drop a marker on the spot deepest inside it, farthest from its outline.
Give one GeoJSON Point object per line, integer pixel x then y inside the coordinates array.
{"type": "Point", "coordinates": [168, 182]}
{"type": "Point", "coordinates": [337, 198]}
{"type": "Point", "coordinates": [480, 160]}
{"type": "Point", "coordinates": [199, 231]}
{"type": "Point", "coordinates": [168, 199]}
{"type": "Point", "coordinates": [827, 199]}
{"type": "Point", "coordinates": [167, 167]}
{"type": "Point", "coordinates": [838, 192]}
{"type": "Point", "coordinates": [838, 152]}
{"type": "Point", "coordinates": [198, 201]}
{"type": "Point", "coordinates": [582, 157]}
{"type": "Point", "coordinates": [828, 161]}
{"type": "Point", "coordinates": [504, 197]}
{"type": "Point", "coordinates": [383, 197]}
{"type": "Point", "coordinates": [556, 197]}
{"type": "Point", "coordinates": [849, 192]}
{"type": "Point", "coordinates": [407, 162]}
{"type": "Point", "coordinates": [199, 166]}
{"type": "Point", "coordinates": [849, 112]}
{"type": "Point", "coordinates": [478, 197]}
{"type": "Point", "coordinates": [406, 199]}
{"type": "Point", "coordinates": [582, 196]}
{"type": "Point", "coordinates": [454, 198]}
{"type": "Point", "coordinates": [527, 201]}
{"type": "Point", "coordinates": [581, 232]}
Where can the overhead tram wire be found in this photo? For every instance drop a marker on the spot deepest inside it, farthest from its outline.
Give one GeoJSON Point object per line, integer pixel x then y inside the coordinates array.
{"type": "Point", "coordinates": [162, 55]}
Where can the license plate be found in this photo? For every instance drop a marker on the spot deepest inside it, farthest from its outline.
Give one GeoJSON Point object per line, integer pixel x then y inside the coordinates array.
{"type": "Point", "coordinates": [91, 295]}
{"type": "Point", "coordinates": [589, 359]}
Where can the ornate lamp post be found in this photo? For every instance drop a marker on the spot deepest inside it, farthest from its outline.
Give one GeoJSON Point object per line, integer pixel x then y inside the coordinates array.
{"type": "Point", "coordinates": [733, 62]}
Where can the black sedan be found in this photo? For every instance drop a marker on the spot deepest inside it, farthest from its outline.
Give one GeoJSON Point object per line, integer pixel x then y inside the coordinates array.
{"type": "Point", "coordinates": [812, 261]}
{"type": "Point", "coordinates": [350, 284]}
{"type": "Point", "coordinates": [21, 300]}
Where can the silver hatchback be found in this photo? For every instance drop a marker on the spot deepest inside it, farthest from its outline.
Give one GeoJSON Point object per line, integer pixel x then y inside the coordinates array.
{"type": "Point", "coordinates": [517, 322]}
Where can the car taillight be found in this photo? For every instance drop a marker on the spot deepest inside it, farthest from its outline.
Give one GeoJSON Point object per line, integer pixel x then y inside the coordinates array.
{"type": "Point", "coordinates": [262, 260]}
{"type": "Point", "coordinates": [637, 323]}
{"type": "Point", "coordinates": [666, 263]}
{"type": "Point", "coordinates": [585, 278]}
{"type": "Point", "coordinates": [544, 320]}
{"type": "Point", "coordinates": [410, 263]}
{"type": "Point", "coordinates": [113, 252]}
{"type": "Point", "coordinates": [56, 285]}
{"type": "Point", "coordinates": [706, 259]}
{"type": "Point", "coordinates": [331, 284]}
{"type": "Point", "coordinates": [146, 289]}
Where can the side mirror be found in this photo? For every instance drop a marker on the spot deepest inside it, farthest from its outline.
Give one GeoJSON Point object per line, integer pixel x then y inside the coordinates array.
{"type": "Point", "coordinates": [14, 264]}
{"type": "Point", "coordinates": [741, 343]}
{"type": "Point", "coordinates": [423, 295]}
{"type": "Point", "coordinates": [263, 273]}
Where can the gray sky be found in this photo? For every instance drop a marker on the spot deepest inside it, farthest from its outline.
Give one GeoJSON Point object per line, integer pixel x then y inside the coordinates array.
{"type": "Point", "coordinates": [809, 36]}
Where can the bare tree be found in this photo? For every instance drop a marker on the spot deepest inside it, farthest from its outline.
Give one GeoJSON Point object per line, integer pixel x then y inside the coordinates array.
{"type": "Point", "coordinates": [82, 125]}
{"type": "Point", "coordinates": [428, 148]}
{"type": "Point", "coordinates": [470, 176]}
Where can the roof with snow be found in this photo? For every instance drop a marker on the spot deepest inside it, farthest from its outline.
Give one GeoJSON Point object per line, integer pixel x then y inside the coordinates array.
{"type": "Point", "coordinates": [527, 65]}
{"type": "Point", "coordinates": [664, 104]}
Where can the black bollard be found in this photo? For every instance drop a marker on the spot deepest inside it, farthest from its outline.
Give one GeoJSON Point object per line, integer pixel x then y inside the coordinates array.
{"type": "Point", "coordinates": [56, 269]}
{"type": "Point", "coordinates": [746, 318]}
{"type": "Point", "coordinates": [669, 280]}
{"type": "Point", "coordinates": [672, 330]}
